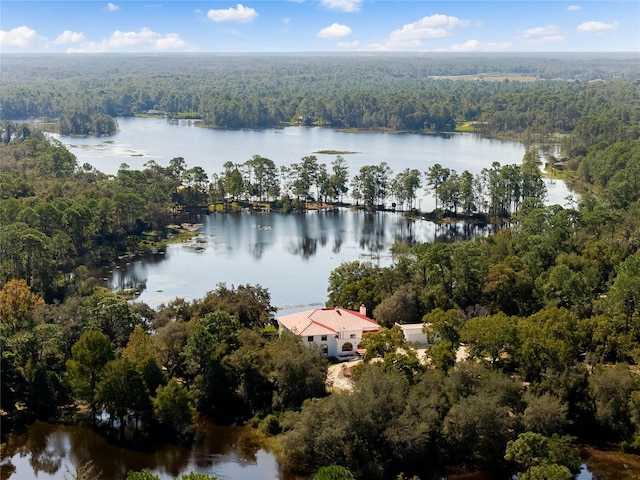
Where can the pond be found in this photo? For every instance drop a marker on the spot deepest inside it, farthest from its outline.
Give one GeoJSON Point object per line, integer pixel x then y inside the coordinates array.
{"type": "Point", "coordinates": [54, 452]}
{"type": "Point", "coordinates": [49, 451]}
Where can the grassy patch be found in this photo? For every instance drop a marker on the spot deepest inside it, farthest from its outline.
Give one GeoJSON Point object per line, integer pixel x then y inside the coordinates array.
{"type": "Point", "coordinates": [130, 293]}
{"type": "Point", "coordinates": [466, 127]}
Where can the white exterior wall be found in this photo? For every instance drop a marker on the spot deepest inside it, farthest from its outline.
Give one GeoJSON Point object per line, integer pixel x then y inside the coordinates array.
{"type": "Point", "coordinates": [336, 341]}
{"type": "Point", "coordinates": [330, 342]}
{"type": "Point", "coordinates": [348, 336]}
{"type": "Point", "coordinates": [414, 333]}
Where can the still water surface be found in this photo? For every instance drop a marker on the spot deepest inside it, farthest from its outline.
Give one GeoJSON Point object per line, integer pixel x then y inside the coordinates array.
{"type": "Point", "coordinates": [291, 255]}
{"type": "Point", "coordinates": [143, 139]}
{"type": "Point", "coordinates": [53, 452]}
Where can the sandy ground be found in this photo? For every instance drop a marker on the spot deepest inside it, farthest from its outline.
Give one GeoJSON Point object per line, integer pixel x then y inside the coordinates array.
{"type": "Point", "coordinates": [339, 374]}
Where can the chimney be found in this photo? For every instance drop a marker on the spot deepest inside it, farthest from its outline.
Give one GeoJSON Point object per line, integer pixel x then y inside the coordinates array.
{"type": "Point", "coordinates": [363, 310]}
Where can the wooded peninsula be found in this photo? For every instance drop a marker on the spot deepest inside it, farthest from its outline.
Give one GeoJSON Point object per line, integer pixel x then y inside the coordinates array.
{"type": "Point", "coordinates": [547, 307]}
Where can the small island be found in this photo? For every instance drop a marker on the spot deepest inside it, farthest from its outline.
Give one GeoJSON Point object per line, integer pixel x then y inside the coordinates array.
{"type": "Point", "coordinates": [82, 124]}
{"type": "Point", "coordinates": [335, 152]}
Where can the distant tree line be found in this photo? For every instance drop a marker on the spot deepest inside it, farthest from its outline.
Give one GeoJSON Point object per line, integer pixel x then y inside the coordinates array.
{"type": "Point", "coordinates": [380, 92]}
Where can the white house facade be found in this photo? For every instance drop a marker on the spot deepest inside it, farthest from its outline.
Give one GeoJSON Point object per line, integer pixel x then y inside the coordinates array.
{"type": "Point", "coordinates": [336, 330]}
{"type": "Point", "coordinates": [414, 333]}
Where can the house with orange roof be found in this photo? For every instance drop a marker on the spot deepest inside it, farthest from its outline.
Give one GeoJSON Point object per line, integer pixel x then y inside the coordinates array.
{"type": "Point", "coordinates": [336, 330]}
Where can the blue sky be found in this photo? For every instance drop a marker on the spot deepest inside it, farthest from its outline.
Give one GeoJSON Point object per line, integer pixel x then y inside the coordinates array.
{"type": "Point", "coordinates": [319, 26]}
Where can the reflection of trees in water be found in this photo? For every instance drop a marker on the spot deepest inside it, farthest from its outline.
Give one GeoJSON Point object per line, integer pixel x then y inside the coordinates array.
{"type": "Point", "coordinates": [304, 247]}
{"type": "Point", "coordinates": [305, 244]}
{"type": "Point", "coordinates": [261, 233]}
{"type": "Point", "coordinates": [133, 273]}
{"type": "Point", "coordinates": [321, 219]}
{"type": "Point", "coordinates": [6, 469]}
{"type": "Point", "coordinates": [337, 244]}
{"type": "Point", "coordinates": [335, 219]}
{"type": "Point", "coordinates": [44, 454]}
{"type": "Point", "coordinates": [457, 232]}
{"type": "Point", "coordinates": [43, 458]}
{"type": "Point", "coordinates": [217, 444]}
{"type": "Point", "coordinates": [48, 446]}
{"type": "Point", "coordinates": [85, 445]}
{"type": "Point", "coordinates": [129, 279]}
{"type": "Point", "coordinates": [257, 250]}
{"type": "Point", "coordinates": [172, 460]}
{"type": "Point", "coordinates": [404, 231]}
{"type": "Point", "coordinates": [372, 233]}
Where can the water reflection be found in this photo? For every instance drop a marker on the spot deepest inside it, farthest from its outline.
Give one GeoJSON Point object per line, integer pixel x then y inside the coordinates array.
{"type": "Point", "coordinates": [55, 452]}
{"type": "Point", "coordinates": [303, 241]}
{"type": "Point", "coordinates": [371, 237]}
{"type": "Point", "coordinates": [49, 451]}
{"type": "Point", "coordinates": [291, 255]}
{"type": "Point", "coordinates": [455, 232]}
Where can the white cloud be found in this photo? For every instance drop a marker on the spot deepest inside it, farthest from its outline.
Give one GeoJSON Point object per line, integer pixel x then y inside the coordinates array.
{"type": "Point", "coordinates": [170, 41]}
{"type": "Point", "coordinates": [90, 47]}
{"type": "Point", "coordinates": [238, 14]}
{"type": "Point", "coordinates": [598, 27]}
{"type": "Point", "coordinates": [343, 5]}
{"type": "Point", "coordinates": [144, 39]}
{"type": "Point", "coordinates": [435, 26]}
{"type": "Point", "coordinates": [112, 7]}
{"type": "Point", "coordinates": [476, 46]}
{"type": "Point", "coordinates": [411, 35]}
{"type": "Point", "coordinates": [286, 20]}
{"type": "Point", "coordinates": [540, 35]}
{"type": "Point", "coordinates": [375, 47]}
{"type": "Point", "coordinates": [549, 39]}
{"type": "Point", "coordinates": [541, 31]}
{"type": "Point", "coordinates": [353, 44]}
{"type": "Point", "coordinates": [21, 37]}
{"type": "Point", "coordinates": [573, 8]}
{"type": "Point", "coordinates": [70, 37]}
{"type": "Point", "coordinates": [335, 30]}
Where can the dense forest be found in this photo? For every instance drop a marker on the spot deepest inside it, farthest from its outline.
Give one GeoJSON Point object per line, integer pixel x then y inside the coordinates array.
{"type": "Point", "coordinates": [399, 93]}
{"type": "Point", "coordinates": [548, 307]}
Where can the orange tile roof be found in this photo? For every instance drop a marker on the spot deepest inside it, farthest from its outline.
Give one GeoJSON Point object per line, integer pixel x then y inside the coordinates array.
{"type": "Point", "coordinates": [327, 321]}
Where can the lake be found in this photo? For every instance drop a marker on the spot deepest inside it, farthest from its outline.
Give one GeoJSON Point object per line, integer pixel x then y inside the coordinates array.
{"type": "Point", "coordinates": [291, 255]}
